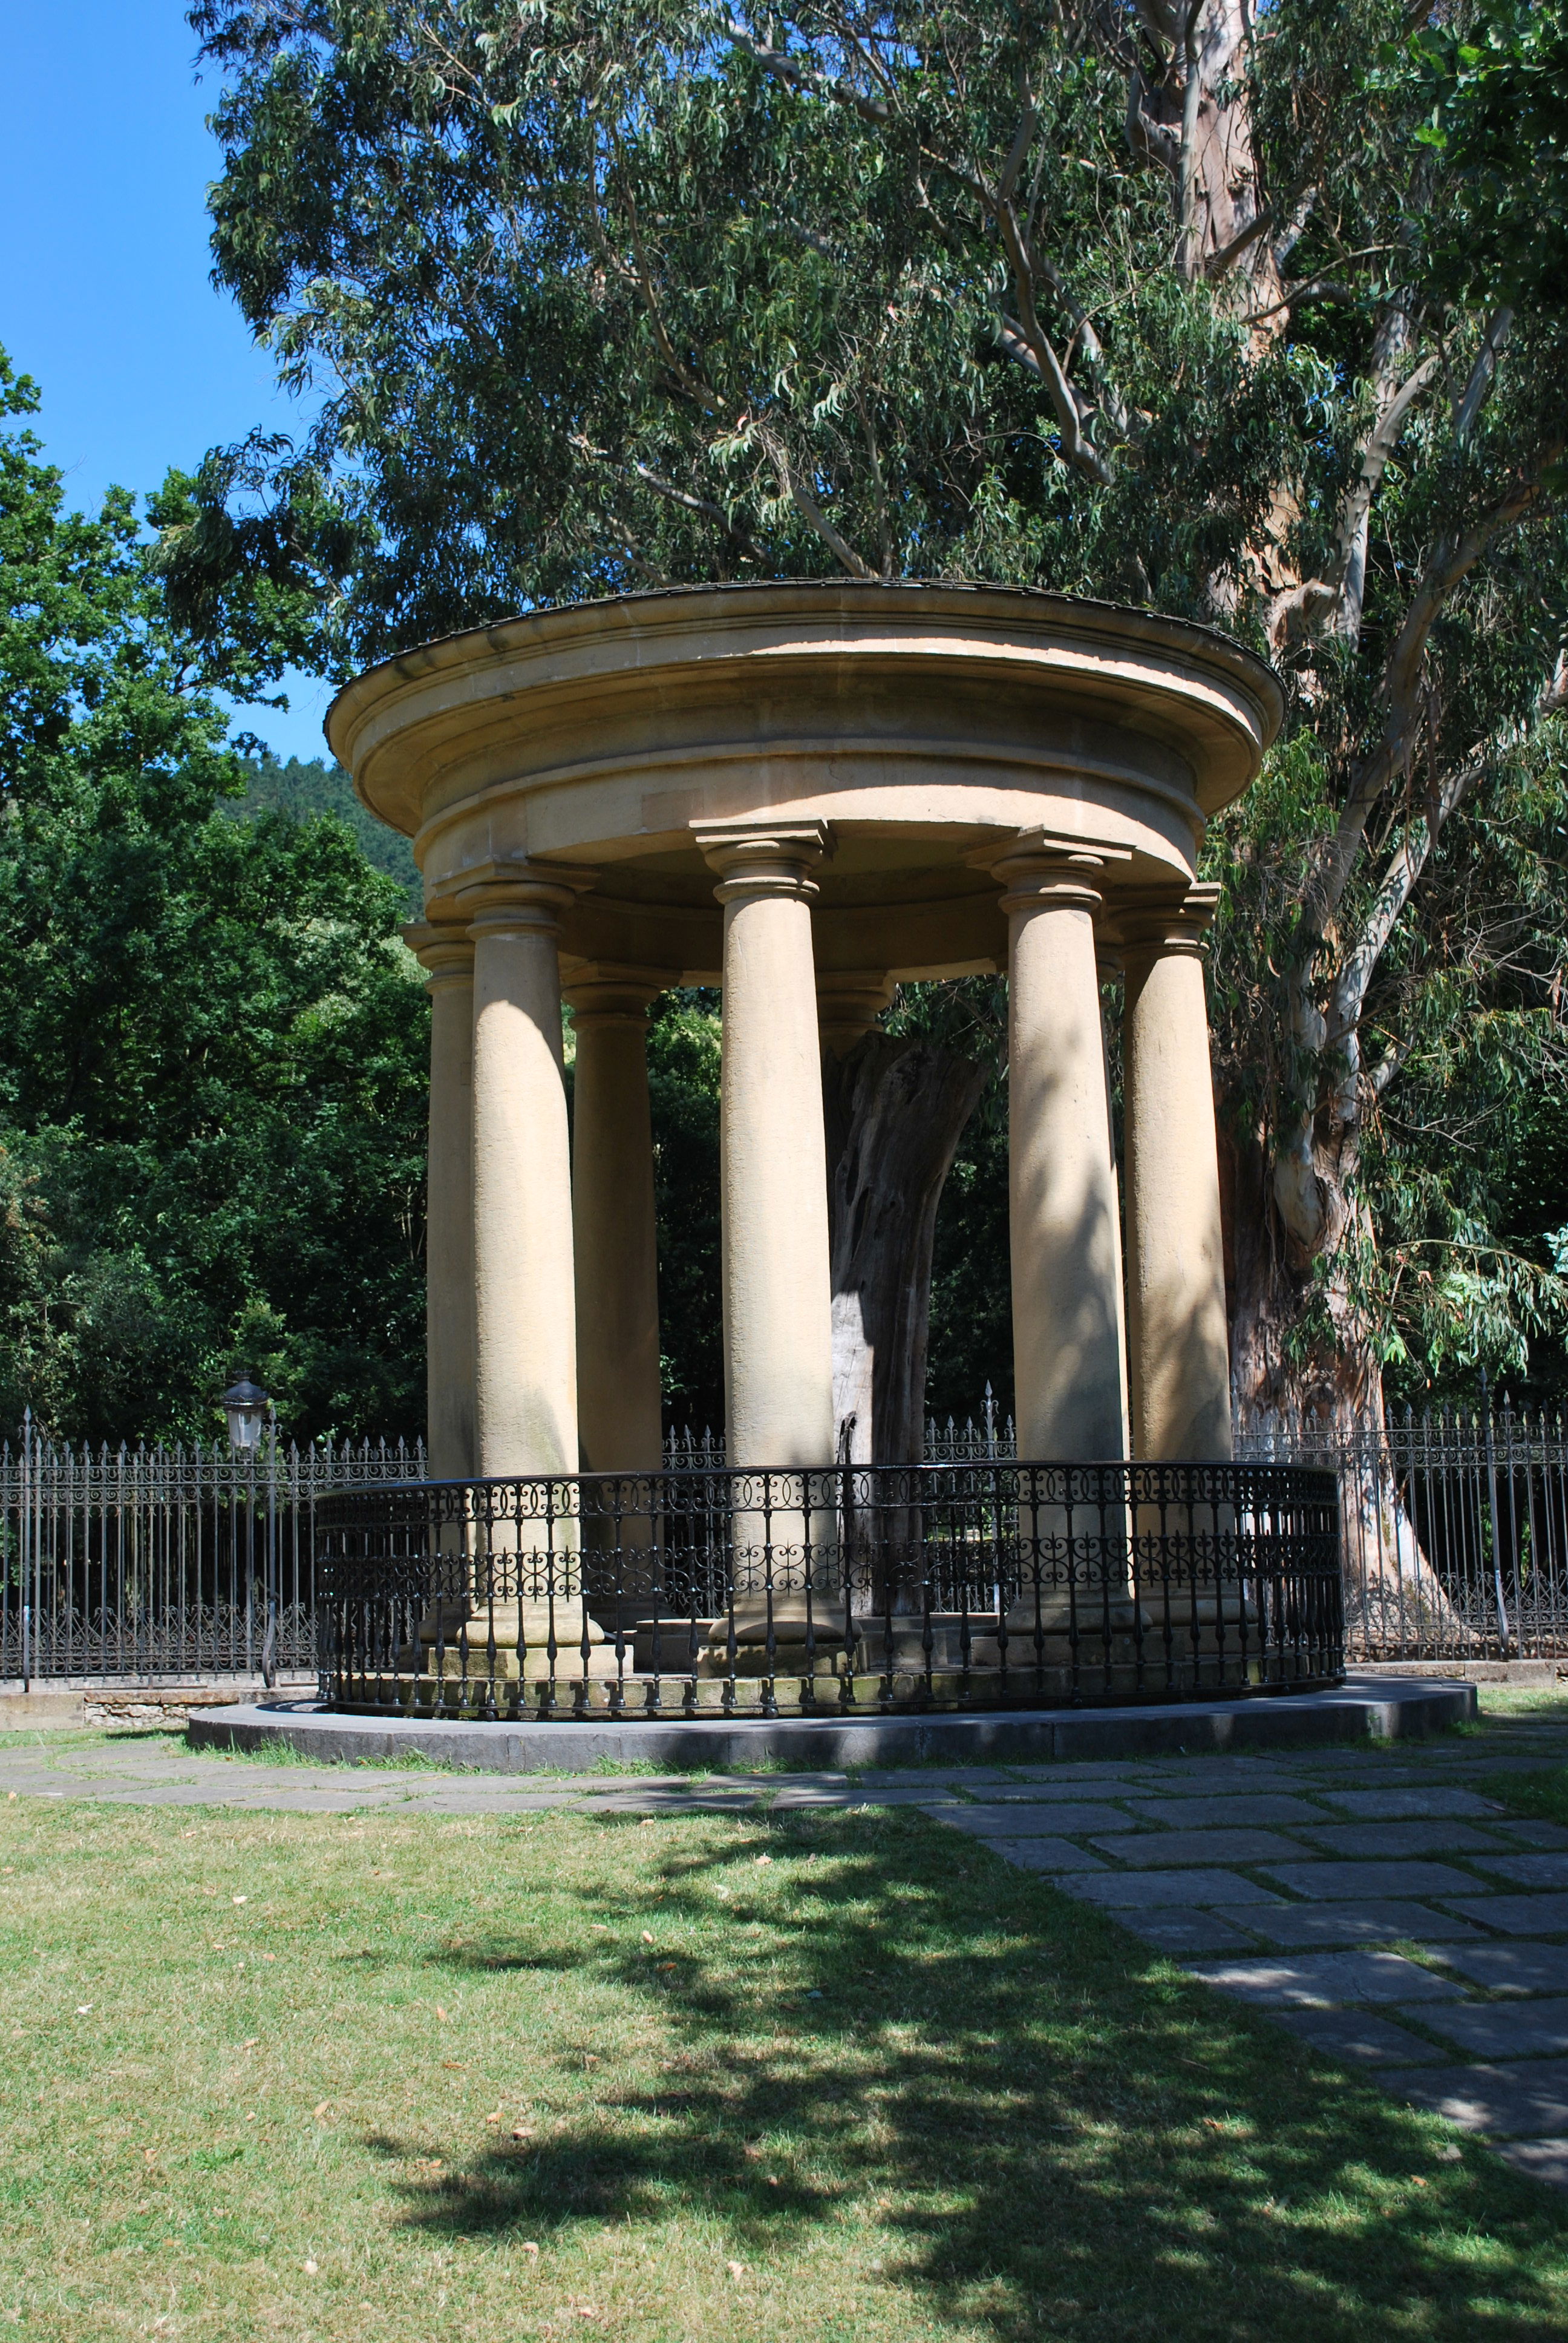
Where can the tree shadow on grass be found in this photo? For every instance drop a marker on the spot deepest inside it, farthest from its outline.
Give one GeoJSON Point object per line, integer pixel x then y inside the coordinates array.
{"type": "Point", "coordinates": [1069, 2136]}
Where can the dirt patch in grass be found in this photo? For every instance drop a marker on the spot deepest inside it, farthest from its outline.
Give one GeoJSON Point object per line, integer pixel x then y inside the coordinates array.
{"type": "Point", "coordinates": [834, 2076]}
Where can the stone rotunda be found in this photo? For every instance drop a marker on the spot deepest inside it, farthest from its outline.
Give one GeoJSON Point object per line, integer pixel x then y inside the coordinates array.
{"type": "Point", "coordinates": [803, 794]}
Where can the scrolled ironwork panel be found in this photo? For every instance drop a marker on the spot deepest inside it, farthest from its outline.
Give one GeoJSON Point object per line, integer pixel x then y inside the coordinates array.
{"type": "Point", "coordinates": [850, 1591]}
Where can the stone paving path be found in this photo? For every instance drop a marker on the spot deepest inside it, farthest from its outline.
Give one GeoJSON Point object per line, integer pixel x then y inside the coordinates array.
{"type": "Point", "coordinates": [1372, 1901]}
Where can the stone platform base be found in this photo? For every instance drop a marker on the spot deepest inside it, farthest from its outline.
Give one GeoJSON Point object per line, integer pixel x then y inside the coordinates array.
{"type": "Point", "coordinates": [1388, 1708]}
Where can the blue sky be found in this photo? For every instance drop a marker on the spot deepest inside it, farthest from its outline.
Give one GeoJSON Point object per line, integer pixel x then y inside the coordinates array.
{"type": "Point", "coordinates": [104, 291]}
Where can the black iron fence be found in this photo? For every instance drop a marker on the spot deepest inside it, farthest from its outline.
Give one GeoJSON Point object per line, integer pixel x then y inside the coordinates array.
{"type": "Point", "coordinates": [160, 1563]}
{"type": "Point", "coordinates": [1455, 1527]}
{"type": "Point", "coordinates": [852, 1591]}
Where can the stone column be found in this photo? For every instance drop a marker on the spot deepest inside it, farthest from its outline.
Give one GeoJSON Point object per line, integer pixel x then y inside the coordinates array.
{"type": "Point", "coordinates": [619, 1417]}
{"type": "Point", "coordinates": [1066, 1265]}
{"type": "Point", "coordinates": [777, 1337]}
{"type": "Point", "coordinates": [447, 956]}
{"type": "Point", "coordinates": [1179, 1349]}
{"type": "Point", "coordinates": [525, 1309]}
{"type": "Point", "coordinates": [849, 1003]}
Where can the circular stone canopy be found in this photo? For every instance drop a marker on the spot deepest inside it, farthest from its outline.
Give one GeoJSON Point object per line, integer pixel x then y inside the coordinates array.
{"type": "Point", "coordinates": [918, 728]}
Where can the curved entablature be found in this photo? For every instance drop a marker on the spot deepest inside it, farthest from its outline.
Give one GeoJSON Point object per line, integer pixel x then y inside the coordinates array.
{"type": "Point", "coordinates": [919, 722]}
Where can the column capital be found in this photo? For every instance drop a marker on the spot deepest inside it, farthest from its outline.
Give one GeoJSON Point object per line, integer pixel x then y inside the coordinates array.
{"type": "Point", "coordinates": [848, 1002]}
{"type": "Point", "coordinates": [1043, 870]}
{"type": "Point", "coordinates": [496, 897]}
{"type": "Point", "coordinates": [443, 949]}
{"type": "Point", "coordinates": [606, 992]}
{"type": "Point", "coordinates": [758, 857]}
{"type": "Point", "coordinates": [1149, 932]}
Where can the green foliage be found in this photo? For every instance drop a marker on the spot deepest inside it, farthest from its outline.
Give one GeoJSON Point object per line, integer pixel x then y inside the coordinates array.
{"type": "Point", "coordinates": [212, 1083]}
{"type": "Point", "coordinates": [683, 1043]}
{"type": "Point", "coordinates": [1495, 76]}
{"type": "Point", "coordinates": [305, 788]}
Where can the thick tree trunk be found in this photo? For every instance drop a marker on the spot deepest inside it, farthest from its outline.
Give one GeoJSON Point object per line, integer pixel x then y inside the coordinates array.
{"type": "Point", "coordinates": [895, 1111]}
{"type": "Point", "coordinates": [1326, 1401]}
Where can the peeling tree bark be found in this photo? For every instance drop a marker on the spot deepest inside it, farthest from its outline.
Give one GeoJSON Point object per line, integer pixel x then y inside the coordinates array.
{"type": "Point", "coordinates": [895, 1111]}
{"type": "Point", "coordinates": [1332, 1399]}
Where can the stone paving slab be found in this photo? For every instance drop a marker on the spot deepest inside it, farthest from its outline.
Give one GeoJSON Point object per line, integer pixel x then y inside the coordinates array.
{"type": "Point", "coordinates": [1515, 1916]}
{"type": "Point", "coordinates": [1528, 1870]}
{"type": "Point", "coordinates": [1328, 1980]}
{"type": "Point", "coordinates": [1507, 2029]}
{"type": "Point", "coordinates": [998, 1793]}
{"type": "Point", "coordinates": [1221, 1812]}
{"type": "Point", "coordinates": [1539, 2159]}
{"type": "Point", "coordinates": [894, 1794]}
{"type": "Point", "coordinates": [1029, 1821]}
{"type": "Point", "coordinates": [1303, 1927]}
{"type": "Point", "coordinates": [1511, 1968]}
{"type": "Point", "coordinates": [1391, 1840]}
{"type": "Point", "coordinates": [1525, 1833]}
{"type": "Point", "coordinates": [1071, 1770]}
{"type": "Point", "coordinates": [1510, 2102]}
{"type": "Point", "coordinates": [1136, 1889]}
{"type": "Point", "coordinates": [1155, 1850]}
{"type": "Point", "coordinates": [1357, 2036]}
{"type": "Point", "coordinates": [1335, 1882]}
{"type": "Point", "coordinates": [1182, 1929]}
{"type": "Point", "coordinates": [1388, 1805]}
{"type": "Point", "coordinates": [1058, 1856]}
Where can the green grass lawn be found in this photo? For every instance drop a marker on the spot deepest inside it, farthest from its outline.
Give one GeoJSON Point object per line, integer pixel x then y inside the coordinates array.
{"type": "Point", "coordinates": [319, 2076]}
{"type": "Point", "coordinates": [1542, 1793]}
{"type": "Point", "coordinates": [1501, 1701]}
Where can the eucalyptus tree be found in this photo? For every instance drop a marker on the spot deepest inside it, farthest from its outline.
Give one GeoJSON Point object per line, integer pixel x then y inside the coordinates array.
{"type": "Point", "coordinates": [1257, 318]}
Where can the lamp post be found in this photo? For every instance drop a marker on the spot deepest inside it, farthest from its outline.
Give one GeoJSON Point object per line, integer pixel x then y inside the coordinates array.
{"type": "Point", "coordinates": [250, 1413]}
{"type": "Point", "coordinates": [246, 1407]}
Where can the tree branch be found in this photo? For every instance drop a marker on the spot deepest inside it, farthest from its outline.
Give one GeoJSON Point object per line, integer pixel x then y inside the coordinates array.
{"type": "Point", "coordinates": [1186, 173]}
{"type": "Point", "coordinates": [1450, 561]}
{"type": "Point", "coordinates": [1481, 372]}
{"type": "Point", "coordinates": [809, 511]}
{"type": "Point", "coordinates": [784, 68]}
{"type": "Point", "coordinates": [1394, 891]}
{"type": "Point", "coordinates": [1355, 516]}
{"type": "Point", "coordinates": [1076, 448]}
{"type": "Point", "coordinates": [1334, 601]}
{"type": "Point", "coordinates": [739, 536]}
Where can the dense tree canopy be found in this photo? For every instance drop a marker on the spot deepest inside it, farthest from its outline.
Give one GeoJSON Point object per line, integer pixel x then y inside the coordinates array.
{"type": "Point", "coordinates": [1258, 319]}
{"type": "Point", "coordinates": [212, 1084]}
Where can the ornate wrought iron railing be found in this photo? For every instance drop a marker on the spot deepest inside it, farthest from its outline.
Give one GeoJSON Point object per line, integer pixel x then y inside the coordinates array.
{"type": "Point", "coordinates": [850, 1591]}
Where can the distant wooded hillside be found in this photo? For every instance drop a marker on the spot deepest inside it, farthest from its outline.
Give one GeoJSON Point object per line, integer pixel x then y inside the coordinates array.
{"type": "Point", "coordinates": [302, 788]}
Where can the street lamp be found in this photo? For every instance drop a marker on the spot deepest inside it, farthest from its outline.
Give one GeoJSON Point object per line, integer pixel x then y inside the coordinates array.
{"type": "Point", "coordinates": [245, 1404]}
{"type": "Point", "coordinates": [249, 1413]}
